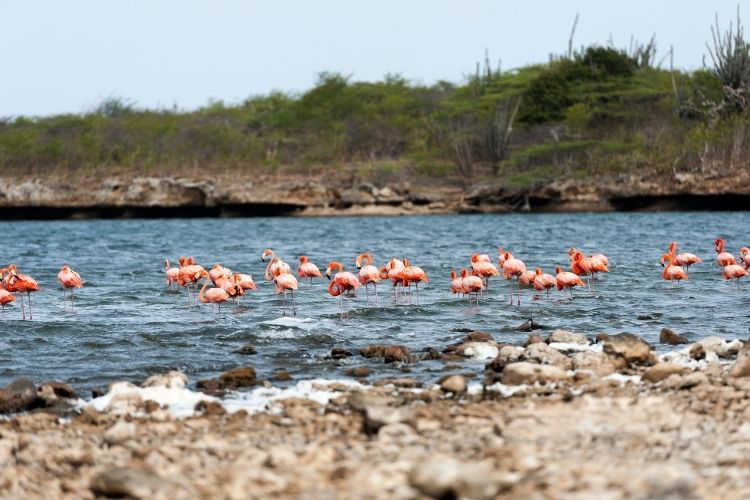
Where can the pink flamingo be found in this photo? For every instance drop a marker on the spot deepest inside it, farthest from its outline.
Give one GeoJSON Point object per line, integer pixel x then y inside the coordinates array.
{"type": "Point", "coordinates": [482, 267]}
{"type": "Point", "coordinates": [307, 269]}
{"type": "Point", "coordinates": [684, 259]}
{"type": "Point", "coordinates": [722, 258]}
{"type": "Point", "coordinates": [170, 273]}
{"type": "Point", "coordinates": [69, 279]}
{"type": "Point", "coordinates": [513, 268]}
{"type": "Point", "coordinates": [340, 283]}
{"type": "Point", "coordinates": [274, 264]}
{"type": "Point", "coordinates": [189, 274]}
{"type": "Point", "coordinates": [286, 283]}
{"type": "Point", "coordinates": [672, 272]}
{"type": "Point", "coordinates": [543, 281]}
{"type": "Point", "coordinates": [5, 296]}
{"type": "Point", "coordinates": [734, 271]}
{"type": "Point", "coordinates": [745, 257]}
{"type": "Point", "coordinates": [20, 283]}
{"type": "Point", "coordinates": [471, 285]}
{"type": "Point", "coordinates": [456, 284]}
{"type": "Point", "coordinates": [213, 295]}
{"type": "Point", "coordinates": [368, 274]}
{"type": "Point", "coordinates": [412, 274]}
{"type": "Point", "coordinates": [566, 279]}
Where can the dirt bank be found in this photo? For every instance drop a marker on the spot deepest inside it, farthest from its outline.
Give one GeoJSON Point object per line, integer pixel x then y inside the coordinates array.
{"type": "Point", "coordinates": [162, 196]}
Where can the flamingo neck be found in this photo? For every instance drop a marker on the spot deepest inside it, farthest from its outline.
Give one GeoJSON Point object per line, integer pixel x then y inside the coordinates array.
{"type": "Point", "coordinates": [333, 289]}
{"type": "Point", "coordinates": [201, 297]}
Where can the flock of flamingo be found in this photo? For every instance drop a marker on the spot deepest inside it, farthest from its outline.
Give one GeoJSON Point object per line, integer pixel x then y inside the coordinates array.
{"type": "Point", "coordinates": [227, 285]}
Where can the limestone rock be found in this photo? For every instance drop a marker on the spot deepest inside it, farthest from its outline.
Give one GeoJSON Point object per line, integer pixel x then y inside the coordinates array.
{"type": "Point", "coordinates": [631, 348]}
{"type": "Point", "coordinates": [543, 354]}
{"type": "Point", "coordinates": [389, 353]}
{"type": "Point", "coordinates": [566, 337]}
{"type": "Point", "coordinates": [741, 366]}
{"type": "Point", "coordinates": [19, 395]}
{"type": "Point", "coordinates": [598, 363]}
{"type": "Point", "coordinates": [121, 431]}
{"type": "Point", "coordinates": [660, 371]}
{"type": "Point", "coordinates": [529, 373]}
{"type": "Point", "coordinates": [446, 477]}
{"type": "Point", "coordinates": [453, 383]}
{"type": "Point", "coordinates": [121, 482]}
{"type": "Point", "coordinates": [170, 380]}
{"type": "Point", "coordinates": [667, 336]}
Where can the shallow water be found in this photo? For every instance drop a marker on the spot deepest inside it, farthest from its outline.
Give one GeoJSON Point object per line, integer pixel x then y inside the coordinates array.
{"type": "Point", "coordinates": [127, 325]}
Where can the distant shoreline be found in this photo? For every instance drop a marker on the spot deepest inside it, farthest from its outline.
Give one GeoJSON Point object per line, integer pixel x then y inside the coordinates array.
{"type": "Point", "coordinates": [124, 197]}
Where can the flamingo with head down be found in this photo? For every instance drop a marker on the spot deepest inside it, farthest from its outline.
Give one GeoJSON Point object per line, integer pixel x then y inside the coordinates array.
{"type": "Point", "coordinates": [69, 280]}
{"type": "Point", "coordinates": [5, 296]}
{"type": "Point", "coordinates": [307, 269]}
{"type": "Point", "coordinates": [20, 283]}
{"type": "Point", "coordinates": [170, 273]}
{"type": "Point", "coordinates": [471, 284]}
{"type": "Point", "coordinates": [341, 283]}
{"type": "Point", "coordinates": [543, 281]}
{"type": "Point", "coordinates": [745, 257]}
{"type": "Point", "coordinates": [566, 279]}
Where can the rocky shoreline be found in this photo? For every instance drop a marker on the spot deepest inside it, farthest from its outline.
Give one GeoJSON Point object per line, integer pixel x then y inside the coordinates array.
{"type": "Point", "coordinates": [242, 195]}
{"type": "Point", "coordinates": [562, 417]}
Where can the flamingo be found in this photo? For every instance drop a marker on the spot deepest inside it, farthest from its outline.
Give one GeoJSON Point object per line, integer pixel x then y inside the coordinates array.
{"type": "Point", "coordinates": [566, 279]}
{"type": "Point", "coordinates": [392, 271]}
{"type": "Point", "coordinates": [456, 284]}
{"type": "Point", "coordinates": [527, 278]}
{"type": "Point", "coordinates": [412, 274]}
{"type": "Point", "coordinates": [672, 272]}
{"type": "Point", "coordinates": [500, 257]}
{"type": "Point", "coordinates": [245, 281]}
{"type": "Point", "coordinates": [213, 295]}
{"type": "Point", "coordinates": [595, 263]}
{"type": "Point", "coordinates": [341, 282]}
{"type": "Point", "coordinates": [684, 259]}
{"type": "Point", "coordinates": [20, 283]}
{"type": "Point", "coordinates": [189, 273]}
{"type": "Point", "coordinates": [745, 257]}
{"type": "Point", "coordinates": [69, 279]}
{"type": "Point", "coordinates": [219, 272]}
{"type": "Point", "coordinates": [283, 283]}
{"type": "Point", "coordinates": [482, 267]}
{"type": "Point", "coordinates": [5, 296]}
{"type": "Point", "coordinates": [582, 266]}
{"type": "Point", "coordinates": [723, 258]}
{"type": "Point", "coordinates": [368, 274]}
{"type": "Point", "coordinates": [543, 281]}
{"type": "Point", "coordinates": [170, 273]}
{"type": "Point", "coordinates": [307, 269]}
{"type": "Point", "coordinates": [471, 284]}
{"type": "Point", "coordinates": [513, 267]}
{"type": "Point", "coordinates": [734, 271]}
{"type": "Point", "coordinates": [274, 264]}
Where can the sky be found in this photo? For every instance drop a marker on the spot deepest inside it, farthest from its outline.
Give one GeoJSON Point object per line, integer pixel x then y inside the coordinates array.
{"type": "Point", "coordinates": [67, 57]}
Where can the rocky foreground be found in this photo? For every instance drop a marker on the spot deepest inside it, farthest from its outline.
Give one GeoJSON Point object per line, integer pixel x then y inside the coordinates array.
{"type": "Point", "coordinates": [556, 418]}
{"type": "Point", "coordinates": [243, 194]}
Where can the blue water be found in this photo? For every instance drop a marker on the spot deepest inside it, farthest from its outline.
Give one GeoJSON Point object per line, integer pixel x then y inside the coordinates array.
{"type": "Point", "coordinates": [127, 325]}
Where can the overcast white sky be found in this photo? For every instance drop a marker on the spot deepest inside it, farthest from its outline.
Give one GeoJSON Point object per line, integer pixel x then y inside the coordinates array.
{"type": "Point", "coordinates": [67, 56]}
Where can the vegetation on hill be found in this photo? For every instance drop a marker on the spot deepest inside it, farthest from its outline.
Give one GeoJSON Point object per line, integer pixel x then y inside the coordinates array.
{"type": "Point", "coordinates": [599, 110]}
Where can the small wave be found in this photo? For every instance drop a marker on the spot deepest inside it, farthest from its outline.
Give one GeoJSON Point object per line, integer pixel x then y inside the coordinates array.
{"type": "Point", "coordinates": [291, 322]}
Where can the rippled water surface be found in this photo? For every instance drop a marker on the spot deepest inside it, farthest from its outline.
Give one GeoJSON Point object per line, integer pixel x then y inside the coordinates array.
{"type": "Point", "coordinates": [127, 325]}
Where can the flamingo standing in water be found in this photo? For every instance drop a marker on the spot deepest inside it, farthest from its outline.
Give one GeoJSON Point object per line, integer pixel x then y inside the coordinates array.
{"type": "Point", "coordinates": [672, 272]}
{"type": "Point", "coordinates": [500, 257]}
{"type": "Point", "coordinates": [734, 271]}
{"type": "Point", "coordinates": [286, 283]}
{"type": "Point", "coordinates": [683, 259]}
{"type": "Point", "coordinates": [170, 273]}
{"type": "Point", "coordinates": [341, 282]}
{"type": "Point", "coordinates": [582, 266]}
{"type": "Point", "coordinates": [412, 274]}
{"type": "Point", "coordinates": [745, 257]}
{"type": "Point", "coordinates": [456, 284]}
{"type": "Point", "coordinates": [722, 258]}
{"type": "Point", "coordinates": [513, 268]}
{"type": "Point", "coordinates": [368, 274]}
{"type": "Point", "coordinates": [20, 283]}
{"type": "Point", "coordinates": [566, 279]}
{"type": "Point", "coordinates": [471, 284]}
{"type": "Point", "coordinates": [307, 269]}
{"type": "Point", "coordinates": [245, 281]}
{"type": "Point", "coordinates": [392, 271]}
{"type": "Point", "coordinates": [543, 281]}
{"type": "Point", "coordinates": [482, 267]}
{"type": "Point", "coordinates": [274, 264]}
{"type": "Point", "coordinates": [69, 279]}
{"type": "Point", "coordinates": [5, 296]}
{"type": "Point", "coordinates": [214, 295]}
{"type": "Point", "coordinates": [189, 274]}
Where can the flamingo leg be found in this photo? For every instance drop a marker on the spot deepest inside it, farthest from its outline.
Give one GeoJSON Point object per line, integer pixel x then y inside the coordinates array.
{"type": "Point", "coordinates": [23, 310]}
{"type": "Point", "coordinates": [30, 312]}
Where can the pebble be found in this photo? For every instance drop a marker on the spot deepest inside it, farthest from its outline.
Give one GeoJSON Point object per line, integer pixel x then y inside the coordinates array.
{"type": "Point", "coordinates": [446, 477]}
{"type": "Point", "coordinates": [120, 482]}
{"type": "Point", "coordinates": [741, 366]}
{"type": "Point", "coordinates": [120, 432]}
{"type": "Point", "coordinates": [246, 349]}
{"type": "Point", "coordinates": [631, 348]}
{"type": "Point", "coordinates": [359, 372]}
{"type": "Point", "coordinates": [566, 337]}
{"type": "Point", "coordinates": [660, 371]}
{"type": "Point", "coordinates": [529, 373]}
